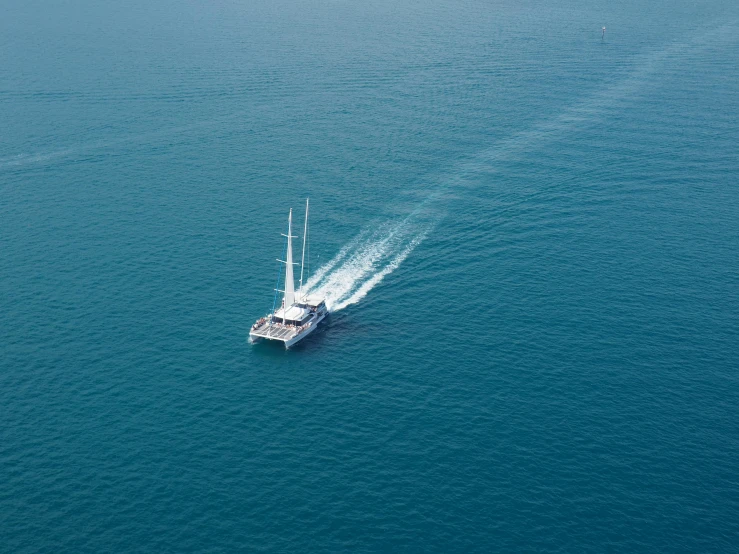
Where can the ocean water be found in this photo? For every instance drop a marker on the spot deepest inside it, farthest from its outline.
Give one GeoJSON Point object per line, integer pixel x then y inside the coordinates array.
{"type": "Point", "coordinates": [528, 234]}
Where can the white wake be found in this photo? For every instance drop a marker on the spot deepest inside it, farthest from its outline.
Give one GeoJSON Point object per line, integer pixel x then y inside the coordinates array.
{"type": "Point", "coordinates": [365, 262]}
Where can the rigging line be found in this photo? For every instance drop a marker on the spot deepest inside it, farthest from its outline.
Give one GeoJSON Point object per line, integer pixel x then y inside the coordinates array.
{"type": "Point", "coordinates": [307, 231]}
{"type": "Point", "coordinates": [302, 259]}
{"type": "Point", "coordinates": [277, 285]}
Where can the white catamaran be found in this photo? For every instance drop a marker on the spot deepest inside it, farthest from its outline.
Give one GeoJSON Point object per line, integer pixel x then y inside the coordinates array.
{"type": "Point", "coordinates": [300, 312]}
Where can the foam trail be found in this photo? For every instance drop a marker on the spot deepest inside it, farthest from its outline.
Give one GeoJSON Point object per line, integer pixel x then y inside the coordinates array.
{"type": "Point", "coordinates": [324, 269]}
{"type": "Point", "coordinates": [368, 285]}
{"type": "Point", "coordinates": [361, 265]}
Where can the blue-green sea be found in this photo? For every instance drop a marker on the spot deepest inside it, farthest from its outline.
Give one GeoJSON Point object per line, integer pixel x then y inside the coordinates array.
{"type": "Point", "coordinates": [527, 229]}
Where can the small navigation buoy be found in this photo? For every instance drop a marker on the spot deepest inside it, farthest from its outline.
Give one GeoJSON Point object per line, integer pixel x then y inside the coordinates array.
{"type": "Point", "coordinates": [604, 33]}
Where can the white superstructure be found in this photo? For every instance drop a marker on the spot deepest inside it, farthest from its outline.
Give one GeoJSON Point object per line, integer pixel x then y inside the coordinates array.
{"type": "Point", "coordinates": [300, 312]}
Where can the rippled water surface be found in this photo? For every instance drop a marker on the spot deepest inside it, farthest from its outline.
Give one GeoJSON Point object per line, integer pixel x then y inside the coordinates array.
{"type": "Point", "coordinates": [528, 234]}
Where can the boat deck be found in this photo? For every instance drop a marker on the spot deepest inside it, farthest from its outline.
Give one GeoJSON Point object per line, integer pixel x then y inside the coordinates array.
{"type": "Point", "coordinates": [275, 332]}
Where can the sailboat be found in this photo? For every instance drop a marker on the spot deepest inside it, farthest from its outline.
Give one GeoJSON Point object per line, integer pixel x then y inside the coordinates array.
{"type": "Point", "coordinates": [300, 312]}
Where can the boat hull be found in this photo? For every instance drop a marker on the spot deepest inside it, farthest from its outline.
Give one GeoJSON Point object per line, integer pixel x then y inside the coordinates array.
{"type": "Point", "coordinates": [288, 337]}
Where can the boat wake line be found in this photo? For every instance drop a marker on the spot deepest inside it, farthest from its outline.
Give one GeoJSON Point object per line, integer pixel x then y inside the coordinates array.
{"type": "Point", "coordinates": [367, 260]}
{"type": "Point", "coordinates": [362, 264]}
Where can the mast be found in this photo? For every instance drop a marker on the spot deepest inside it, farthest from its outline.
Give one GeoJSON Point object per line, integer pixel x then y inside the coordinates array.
{"type": "Point", "coordinates": [289, 298]}
{"type": "Point", "coordinates": [302, 261]}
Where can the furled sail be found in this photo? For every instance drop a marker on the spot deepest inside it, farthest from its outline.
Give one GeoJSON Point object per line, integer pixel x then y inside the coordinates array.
{"type": "Point", "coordinates": [289, 281]}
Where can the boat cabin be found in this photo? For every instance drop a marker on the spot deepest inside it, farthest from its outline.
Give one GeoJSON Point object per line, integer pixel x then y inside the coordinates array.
{"type": "Point", "coordinates": [294, 315]}
{"type": "Point", "coordinates": [301, 312]}
{"type": "Point", "coordinates": [313, 302]}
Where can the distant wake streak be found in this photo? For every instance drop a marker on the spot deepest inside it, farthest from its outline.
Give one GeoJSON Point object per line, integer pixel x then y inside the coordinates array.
{"type": "Point", "coordinates": [644, 69]}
